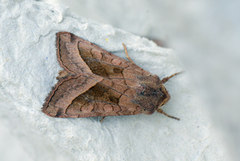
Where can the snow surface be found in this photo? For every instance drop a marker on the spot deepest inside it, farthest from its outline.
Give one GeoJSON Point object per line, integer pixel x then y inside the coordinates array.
{"type": "Point", "coordinates": [28, 70]}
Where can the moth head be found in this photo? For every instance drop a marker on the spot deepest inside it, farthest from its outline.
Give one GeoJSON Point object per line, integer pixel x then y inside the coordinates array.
{"type": "Point", "coordinates": [167, 98]}
{"type": "Point", "coordinates": [152, 95]}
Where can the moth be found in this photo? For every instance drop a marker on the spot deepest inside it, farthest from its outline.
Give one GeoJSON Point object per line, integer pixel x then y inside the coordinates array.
{"type": "Point", "coordinates": [95, 82]}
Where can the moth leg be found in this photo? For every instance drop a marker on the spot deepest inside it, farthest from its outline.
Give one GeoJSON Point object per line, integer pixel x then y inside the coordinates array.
{"type": "Point", "coordinates": [102, 118]}
{"type": "Point", "coordinates": [164, 80]}
{"type": "Point", "coordinates": [161, 111]}
{"type": "Point", "coordinates": [125, 48]}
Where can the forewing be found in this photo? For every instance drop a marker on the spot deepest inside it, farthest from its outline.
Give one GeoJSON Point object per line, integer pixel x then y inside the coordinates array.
{"type": "Point", "coordinates": [65, 92]}
{"type": "Point", "coordinates": [106, 98]}
{"type": "Point", "coordinates": [68, 54]}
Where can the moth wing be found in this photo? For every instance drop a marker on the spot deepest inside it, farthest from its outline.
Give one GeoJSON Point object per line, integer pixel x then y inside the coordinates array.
{"type": "Point", "coordinates": [68, 54]}
{"type": "Point", "coordinates": [77, 55]}
{"type": "Point", "coordinates": [106, 98]}
{"type": "Point", "coordinates": [100, 83]}
{"type": "Point", "coordinates": [65, 92]}
{"type": "Point", "coordinates": [108, 65]}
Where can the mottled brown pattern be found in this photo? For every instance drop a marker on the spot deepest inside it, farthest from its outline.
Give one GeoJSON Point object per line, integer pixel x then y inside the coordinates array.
{"type": "Point", "coordinates": [95, 82]}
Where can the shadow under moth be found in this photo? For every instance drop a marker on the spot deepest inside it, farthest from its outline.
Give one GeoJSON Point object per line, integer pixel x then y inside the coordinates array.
{"type": "Point", "coordinates": [95, 82]}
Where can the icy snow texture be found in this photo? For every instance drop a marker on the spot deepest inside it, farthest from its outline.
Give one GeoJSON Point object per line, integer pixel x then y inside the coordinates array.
{"type": "Point", "coordinates": [28, 70]}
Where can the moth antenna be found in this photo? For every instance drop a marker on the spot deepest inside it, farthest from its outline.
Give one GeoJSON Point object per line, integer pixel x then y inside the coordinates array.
{"type": "Point", "coordinates": [162, 112]}
{"type": "Point", "coordinates": [125, 48]}
{"type": "Point", "coordinates": [164, 80]}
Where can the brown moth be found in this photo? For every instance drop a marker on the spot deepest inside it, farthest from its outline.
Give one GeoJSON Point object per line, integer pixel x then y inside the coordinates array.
{"type": "Point", "coordinates": [95, 82]}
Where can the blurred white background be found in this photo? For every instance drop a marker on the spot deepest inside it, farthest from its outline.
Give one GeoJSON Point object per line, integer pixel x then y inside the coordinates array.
{"type": "Point", "coordinates": [205, 34]}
